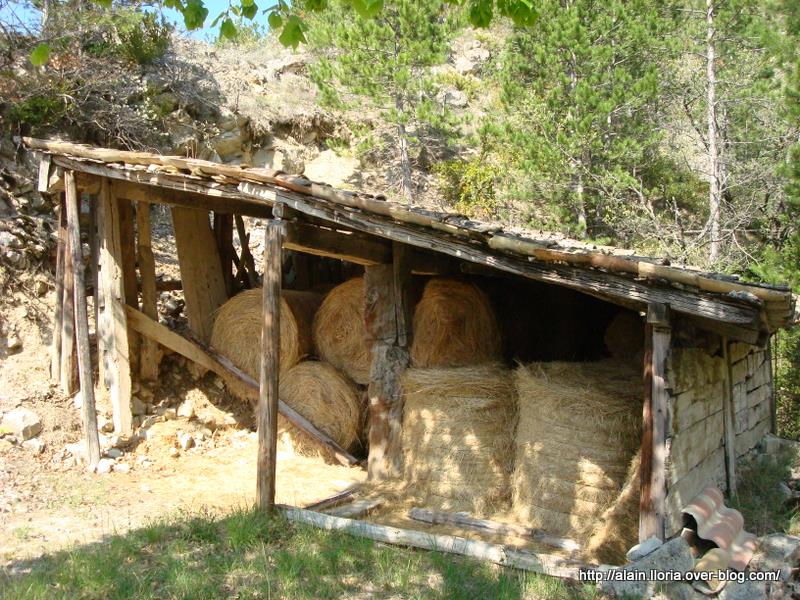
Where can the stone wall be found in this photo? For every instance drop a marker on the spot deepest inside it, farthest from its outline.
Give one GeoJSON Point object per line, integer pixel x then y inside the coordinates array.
{"type": "Point", "coordinates": [752, 395]}
{"type": "Point", "coordinates": [697, 381]}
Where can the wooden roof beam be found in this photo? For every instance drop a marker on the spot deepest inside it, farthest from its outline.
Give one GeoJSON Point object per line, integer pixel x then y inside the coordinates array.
{"type": "Point", "coordinates": [354, 247]}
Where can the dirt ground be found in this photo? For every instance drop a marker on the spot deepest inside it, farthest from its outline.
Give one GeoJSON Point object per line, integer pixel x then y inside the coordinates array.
{"type": "Point", "coordinates": [47, 499]}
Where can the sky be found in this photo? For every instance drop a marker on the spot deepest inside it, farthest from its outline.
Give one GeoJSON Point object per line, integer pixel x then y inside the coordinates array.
{"type": "Point", "coordinates": [18, 12]}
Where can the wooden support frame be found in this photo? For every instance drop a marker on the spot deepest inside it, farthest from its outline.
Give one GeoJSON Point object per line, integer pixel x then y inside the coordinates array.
{"type": "Point", "coordinates": [88, 411]}
{"type": "Point", "coordinates": [149, 357]}
{"type": "Point", "coordinates": [58, 317]}
{"type": "Point", "coordinates": [343, 245]}
{"type": "Point", "coordinates": [69, 357]}
{"type": "Point", "coordinates": [201, 268]}
{"type": "Point", "coordinates": [388, 324]}
{"type": "Point", "coordinates": [210, 359]}
{"type": "Point", "coordinates": [729, 421]}
{"type": "Point", "coordinates": [656, 424]}
{"type": "Point", "coordinates": [547, 564]}
{"type": "Point", "coordinates": [223, 234]}
{"type": "Point", "coordinates": [267, 410]}
{"type": "Point", "coordinates": [113, 336]}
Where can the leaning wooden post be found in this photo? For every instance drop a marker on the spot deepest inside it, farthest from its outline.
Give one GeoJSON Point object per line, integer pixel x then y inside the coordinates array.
{"type": "Point", "coordinates": [652, 507]}
{"type": "Point", "coordinates": [728, 421]}
{"type": "Point", "coordinates": [68, 356]}
{"type": "Point", "coordinates": [267, 411]}
{"type": "Point", "coordinates": [112, 338]}
{"type": "Point", "coordinates": [82, 322]}
{"type": "Point", "coordinates": [388, 324]}
{"type": "Point", "coordinates": [148, 360]}
{"type": "Point", "coordinates": [58, 320]}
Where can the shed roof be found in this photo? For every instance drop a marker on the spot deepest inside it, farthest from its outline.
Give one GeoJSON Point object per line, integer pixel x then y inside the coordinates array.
{"type": "Point", "coordinates": [723, 303]}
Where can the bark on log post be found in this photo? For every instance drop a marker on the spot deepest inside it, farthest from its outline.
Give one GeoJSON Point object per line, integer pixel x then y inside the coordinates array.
{"type": "Point", "coordinates": [655, 437]}
{"type": "Point", "coordinates": [82, 323]}
{"type": "Point", "coordinates": [112, 338]}
{"type": "Point", "coordinates": [267, 411]}
{"type": "Point", "coordinates": [58, 319]}
{"type": "Point", "coordinates": [127, 232]}
{"type": "Point", "coordinates": [388, 326]}
{"type": "Point", "coordinates": [223, 234]}
{"type": "Point", "coordinates": [148, 360]}
{"type": "Point", "coordinates": [729, 428]}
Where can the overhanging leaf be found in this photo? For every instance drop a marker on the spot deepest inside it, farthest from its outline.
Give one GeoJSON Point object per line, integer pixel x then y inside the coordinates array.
{"type": "Point", "coordinates": [227, 29]}
{"type": "Point", "coordinates": [40, 55]}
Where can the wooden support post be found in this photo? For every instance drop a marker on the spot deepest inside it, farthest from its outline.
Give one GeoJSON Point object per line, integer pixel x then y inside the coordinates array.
{"type": "Point", "coordinates": [655, 434]}
{"type": "Point", "coordinates": [728, 421]}
{"type": "Point", "coordinates": [773, 408]}
{"type": "Point", "coordinates": [223, 233]}
{"type": "Point", "coordinates": [388, 326]}
{"type": "Point", "coordinates": [127, 232]}
{"type": "Point", "coordinates": [82, 322]}
{"type": "Point", "coordinates": [267, 411]}
{"type": "Point", "coordinates": [58, 319]}
{"type": "Point", "coordinates": [148, 359]}
{"type": "Point", "coordinates": [68, 377]}
{"type": "Point", "coordinates": [247, 262]}
{"type": "Point", "coordinates": [201, 269]}
{"type": "Point", "coordinates": [112, 338]}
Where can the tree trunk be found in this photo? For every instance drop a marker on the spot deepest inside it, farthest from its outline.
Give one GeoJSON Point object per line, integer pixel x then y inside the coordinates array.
{"type": "Point", "coordinates": [405, 162]}
{"type": "Point", "coordinates": [714, 163]}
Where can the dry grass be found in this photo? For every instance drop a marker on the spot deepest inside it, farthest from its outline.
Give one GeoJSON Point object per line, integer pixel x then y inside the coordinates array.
{"type": "Point", "coordinates": [454, 326]}
{"type": "Point", "coordinates": [326, 398]}
{"type": "Point", "coordinates": [458, 436]}
{"type": "Point", "coordinates": [237, 329]}
{"type": "Point", "coordinates": [579, 425]}
{"type": "Point", "coordinates": [339, 332]}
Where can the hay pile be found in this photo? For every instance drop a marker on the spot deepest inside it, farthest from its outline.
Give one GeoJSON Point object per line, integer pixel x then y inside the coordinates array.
{"type": "Point", "coordinates": [454, 326]}
{"type": "Point", "coordinates": [618, 527]}
{"type": "Point", "coordinates": [458, 436]}
{"type": "Point", "coordinates": [237, 329]}
{"type": "Point", "coordinates": [624, 336]}
{"type": "Point", "coordinates": [579, 425]}
{"type": "Point", "coordinates": [326, 398]}
{"type": "Point", "coordinates": [339, 332]}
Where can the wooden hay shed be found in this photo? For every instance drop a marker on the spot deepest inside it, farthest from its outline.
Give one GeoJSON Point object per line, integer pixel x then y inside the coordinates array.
{"type": "Point", "coordinates": [707, 357]}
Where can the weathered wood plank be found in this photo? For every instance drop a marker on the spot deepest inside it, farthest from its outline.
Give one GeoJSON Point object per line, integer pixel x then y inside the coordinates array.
{"type": "Point", "coordinates": [69, 358]}
{"type": "Point", "coordinates": [653, 516]}
{"type": "Point", "coordinates": [247, 262]}
{"type": "Point", "coordinates": [267, 409]}
{"type": "Point", "coordinates": [58, 318]}
{"type": "Point", "coordinates": [208, 358]}
{"type": "Point", "coordinates": [546, 564]}
{"type": "Point", "coordinates": [343, 245]}
{"type": "Point", "coordinates": [334, 500]}
{"type": "Point", "coordinates": [611, 287]}
{"type": "Point", "coordinates": [729, 428]}
{"type": "Point", "coordinates": [201, 268]}
{"type": "Point", "coordinates": [112, 339]}
{"type": "Point", "coordinates": [358, 508]}
{"type": "Point", "coordinates": [45, 164]}
{"type": "Point", "coordinates": [148, 360]}
{"type": "Point", "coordinates": [435, 517]}
{"type": "Point", "coordinates": [88, 411]}
{"type": "Point", "coordinates": [647, 521]}
{"type": "Point", "coordinates": [223, 234]}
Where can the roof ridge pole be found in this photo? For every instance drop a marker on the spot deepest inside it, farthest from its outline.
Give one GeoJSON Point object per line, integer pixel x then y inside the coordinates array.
{"type": "Point", "coordinates": [267, 410]}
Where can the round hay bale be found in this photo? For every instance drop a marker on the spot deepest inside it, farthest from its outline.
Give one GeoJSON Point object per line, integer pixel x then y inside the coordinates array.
{"type": "Point", "coordinates": [457, 436]}
{"type": "Point", "coordinates": [325, 397]}
{"type": "Point", "coordinates": [454, 326]}
{"type": "Point", "coordinates": [579, 424]}
{"type": "Point", "coordinates": [624, 337]}
{"type": "Point", "coordinates": [237, 329]}
{"type": "Point", "coordinates": [339, 331]}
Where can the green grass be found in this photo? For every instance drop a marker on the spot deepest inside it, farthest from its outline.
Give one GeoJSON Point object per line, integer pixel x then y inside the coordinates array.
{"type": "Point", "coordinates": [249, 555]}
{"type": "Point", "coordinates": [758, 495]}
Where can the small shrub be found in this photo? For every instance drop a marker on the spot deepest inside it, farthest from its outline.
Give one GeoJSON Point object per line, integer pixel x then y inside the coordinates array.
{"type": "Point", "coordinates": [469, 186]}
{"type": "Point", "coordinates": [146, 40]}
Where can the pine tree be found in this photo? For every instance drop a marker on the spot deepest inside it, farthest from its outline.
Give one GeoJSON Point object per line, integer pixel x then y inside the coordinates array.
{"type": "Point", "coordinates": [386, 61]}
{"type": "Point", "coordinates": [580, 91]}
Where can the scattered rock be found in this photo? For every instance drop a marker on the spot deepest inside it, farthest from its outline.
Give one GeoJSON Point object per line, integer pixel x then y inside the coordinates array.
{"type": "Point", "coordinates": [104, 466]}
{"type": "Point", "coordinates": [331, 168]}
{"type": "Point", "coordinates": [170, 414]}
{"type": "Point", "coordinates": [777, 551]}
{"type": "Point", "coordinates": [22, 422]}
{"type": "Point", "coordinates": [639, 551]}
{"type": "Point", "coordinates": [77, 451]}
{"type": "Point", "coordinates": [13, 342]}
{"type": "Point", "coordinates": [185, 440]}
{"type": "Point", "coordinates": [114, 453]}
{"type": "Point", "coordinates": [104, 425]}
{"type": "Point", "coordinates": [35, 445]}
{"type": "Point", "coordinates": [174, 452]}
{"type": "Point", "coordinates": [40, 288]}
{"type": "Point", "coordinates": [186, 409]}
{"type": "Point", "coordinates": [674, 555]}
{"type": "Point", "coordinates": [122, 468]}
{"type": "Point", "coordinates": [749, 590]}
{"type": "Point", "coordinates": [138, 408]}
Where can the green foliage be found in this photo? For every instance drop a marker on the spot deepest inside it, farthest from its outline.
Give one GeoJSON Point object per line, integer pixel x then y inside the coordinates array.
{"type": "Point", "coordinates": [469, 186]}
{"type": "Point", "coordinates": [144, 39]}
{"type": "Point", "coordinates": [38, 110]}
{"type": "Point", "coordinates": [40, 55]}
